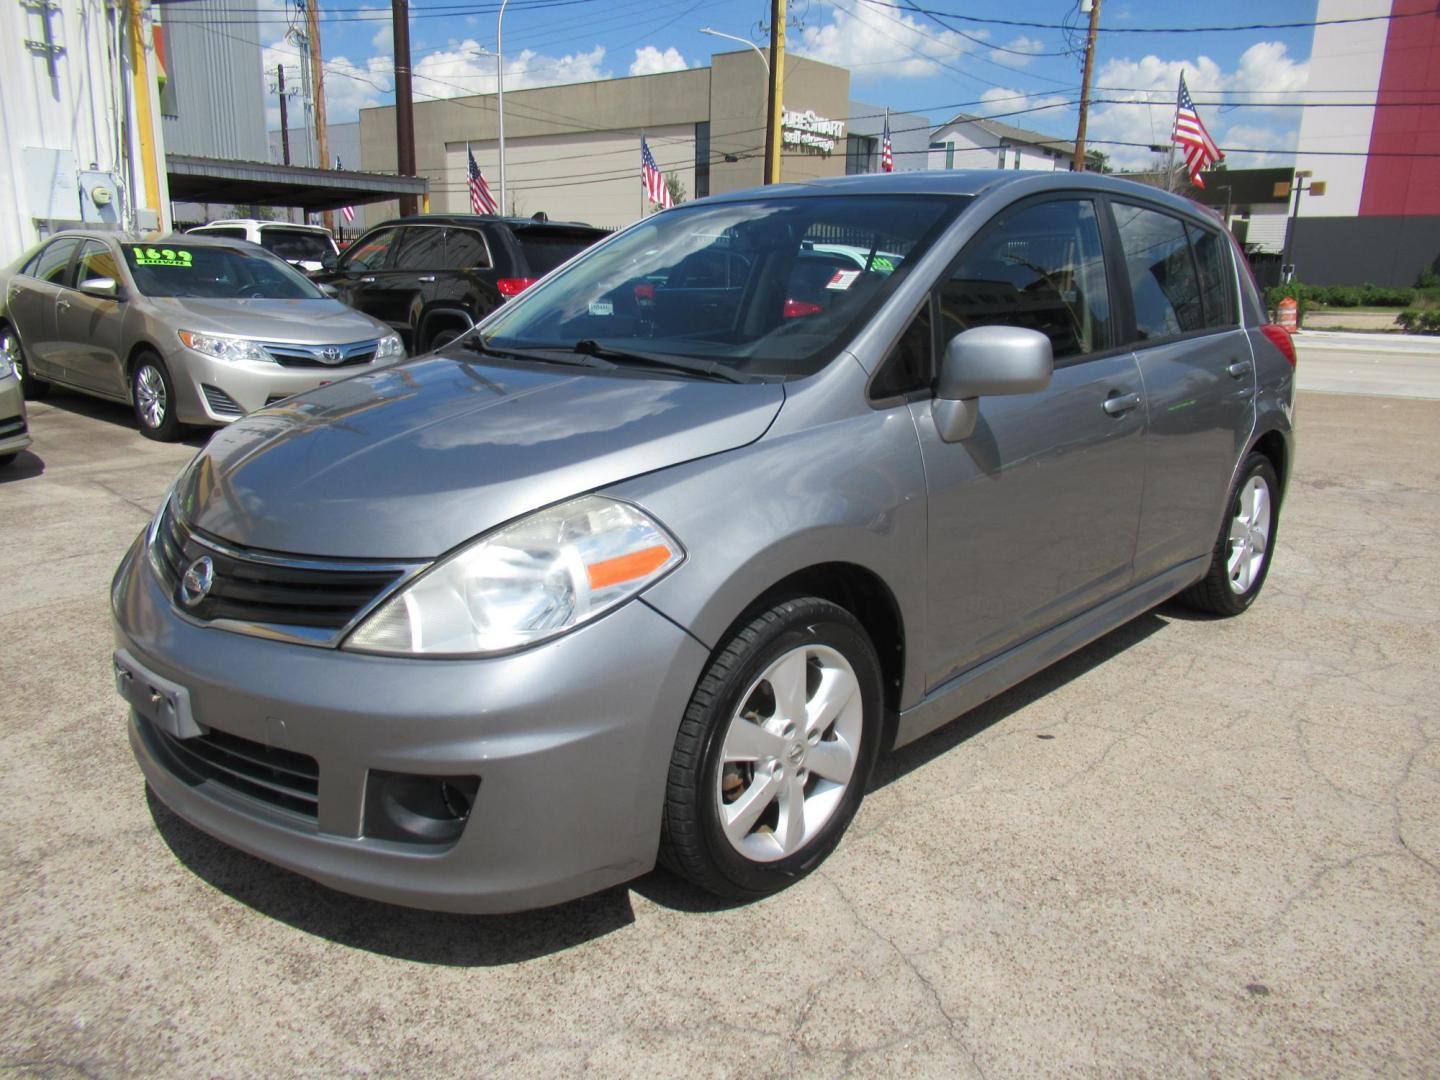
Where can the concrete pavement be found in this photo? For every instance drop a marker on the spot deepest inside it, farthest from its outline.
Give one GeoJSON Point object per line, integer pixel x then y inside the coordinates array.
{"type": "Point", "coordinates": [1402, 365]}
{"type": "Point", "coordinates": [1196, 848]}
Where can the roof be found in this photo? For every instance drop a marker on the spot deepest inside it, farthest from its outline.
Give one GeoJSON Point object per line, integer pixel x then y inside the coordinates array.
{"type": "Point", "coordinates": [471, 219]}
{"type": "Point", "coordinates": [211, 180]}
{"type": "Point", "coordinates": [1010, 133]}
{"type": "Point", "coordinates": [261, 223]}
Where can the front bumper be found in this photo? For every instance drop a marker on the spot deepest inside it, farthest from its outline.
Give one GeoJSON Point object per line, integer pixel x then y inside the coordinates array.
{"type": "Point", "coordinates": [213, 391]}
{"type": "Point", "coordinates": [571, 741]}
{"type": "Point", "coordinates": [14, 434]}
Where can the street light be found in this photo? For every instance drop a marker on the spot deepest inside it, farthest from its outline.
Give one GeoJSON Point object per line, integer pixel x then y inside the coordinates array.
{"type": "Point", "coordinates": [500, 95]}
{"type": "Point", "coordinates": [741, 40]}
{"type": "Point", "coordinates": [1315, 187]}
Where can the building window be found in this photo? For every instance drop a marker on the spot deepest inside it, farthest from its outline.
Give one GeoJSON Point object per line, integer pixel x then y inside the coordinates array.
{"type": "Point", "coordinates": [1002, 155]}
{"type": "Point", "coordinates": [702, 159]}
{"type": "Point", "coordinates": [860, 153]}
{"type": "Point", "coordinates": [949, 155]}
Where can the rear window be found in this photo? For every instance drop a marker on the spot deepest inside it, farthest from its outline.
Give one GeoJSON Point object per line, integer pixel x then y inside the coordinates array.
{"type": "Point", "coordinates": [545, 249]}
{"type": "Point", "coordinates": [295, 245]}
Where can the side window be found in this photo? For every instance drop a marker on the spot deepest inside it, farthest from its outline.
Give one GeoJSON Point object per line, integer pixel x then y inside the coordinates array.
{"type": "Point", "coordinates": [96, 261]}
{"type": "Point", "coordinates": [1217, 282]}
{"type": "Point", "coordinates": [55, 260]}
{"type": "Point", "coordinates": [910, 363]}
{"type": "Point", "coordinates": [464, 249]}
{"type": "Point", "coordinates": [1040, 267]}
{"type": "Point", "coordinates": [371, 252]}
{"type": "Point", "coordinates": [422, 247]}
{"type": "Point", "coordinates": [1162, 273]}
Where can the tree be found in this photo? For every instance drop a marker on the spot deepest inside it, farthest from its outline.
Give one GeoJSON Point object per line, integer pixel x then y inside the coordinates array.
{"type": "Point", "coordinates": [676, 188]}
{"type": "Point", "coordinates": [1097, 161]}
{"type": "Point", "coordinates": [259, 213]}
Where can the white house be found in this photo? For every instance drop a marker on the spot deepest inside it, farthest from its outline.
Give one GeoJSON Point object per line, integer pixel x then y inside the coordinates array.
{"type": "Point", "coordinates": [972, 142]}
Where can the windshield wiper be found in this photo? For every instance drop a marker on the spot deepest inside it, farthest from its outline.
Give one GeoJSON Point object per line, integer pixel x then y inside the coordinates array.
{"type": "Point", "coordinates": [548, 356]}
{"type": "Point", "coordinates": [705, 369]}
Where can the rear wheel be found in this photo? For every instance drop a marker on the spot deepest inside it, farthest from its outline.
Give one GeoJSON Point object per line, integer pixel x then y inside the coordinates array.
{"type": "Point", "coordinates": [774, 752]}
{"type": "Point", "coordinates": [444, 336]}
{"type": "Point", "coordinates": [154, 397]}
{"type": "Point", "coordinates": [12, 351]}
{"type": "Point", "coordinates": [1240, 559]}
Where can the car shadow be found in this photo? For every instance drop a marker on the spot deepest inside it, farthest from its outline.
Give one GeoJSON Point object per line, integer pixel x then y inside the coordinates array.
{"type": "Point", "coordinates": [423, 937]}
{"type": "Point", "coordinates": [26, 466]}
{"type": "Point", "coordinates": [428, 937]}
{"type": "Point", "coordinates": [116, 414]}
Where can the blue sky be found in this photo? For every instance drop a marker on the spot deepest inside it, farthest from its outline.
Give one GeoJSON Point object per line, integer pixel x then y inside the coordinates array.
{"type": "Point", "coordinates": [897, 57]}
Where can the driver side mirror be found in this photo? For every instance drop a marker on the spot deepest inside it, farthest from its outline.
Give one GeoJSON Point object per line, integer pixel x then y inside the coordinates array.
{"type": "Point", "coordinates": [105, 287]}
{"type": "Point", "coordinates": [329, 290]}
{"type": "Point", "coordinates": [329, 261]}
{"type": "Point", "coordinates": [987, 360]}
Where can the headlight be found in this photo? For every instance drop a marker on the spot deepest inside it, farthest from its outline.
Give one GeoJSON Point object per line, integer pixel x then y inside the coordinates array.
{"type": "Point", "coordinates": [224, 347]}
{"type": "Point", "coordinates": [531, 580]}
{"type": "Point", "coordinates": [390, 348]}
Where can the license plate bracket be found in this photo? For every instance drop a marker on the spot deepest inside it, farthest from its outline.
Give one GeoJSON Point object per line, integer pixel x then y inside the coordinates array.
{"type": "Point", "coordinates": [164, 703]}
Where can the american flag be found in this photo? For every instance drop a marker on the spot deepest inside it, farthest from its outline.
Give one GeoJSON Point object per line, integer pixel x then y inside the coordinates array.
{"type": "Point", "coordinates": [887, 152]}
{"type": "Point", "coordinates": [652, 178]}
{"type": "Point", "coordinates": [1190, 135]}
{"type": "Point", "coordinates": [347, 212]}
{"type": "Point", "coordinates": [481, 201]}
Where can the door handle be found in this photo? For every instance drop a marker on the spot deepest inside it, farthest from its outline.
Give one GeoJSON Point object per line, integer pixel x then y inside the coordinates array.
{"type": "Point", "coordinates": [367, 281]}
{"type": "Point", "coordinates": [1239, 369]}
{"type": "Point", "coordinates": [62, 304]}
{"type": "Point", "coordinates": [426, 277]}
{"type": "Point", "coordinates": [1120, 404]}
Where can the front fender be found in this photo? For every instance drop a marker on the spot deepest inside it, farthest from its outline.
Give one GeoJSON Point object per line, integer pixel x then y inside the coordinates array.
{"type": "Point", "coordinates": [851, 491]}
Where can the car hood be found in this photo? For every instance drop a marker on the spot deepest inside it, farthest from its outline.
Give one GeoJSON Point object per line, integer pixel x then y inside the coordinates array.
{"type": "Point", "coordinates": [411, 460]}
{"type": "Point", "coordinates": [306, 322]}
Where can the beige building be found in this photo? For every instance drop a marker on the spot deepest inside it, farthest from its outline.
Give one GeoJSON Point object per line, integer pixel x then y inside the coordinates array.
{"type": "Point", "coordinates": [573, 151]}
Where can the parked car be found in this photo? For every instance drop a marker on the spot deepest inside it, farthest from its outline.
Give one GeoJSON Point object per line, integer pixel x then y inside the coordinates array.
{"type": "Point", "coordinates": [500, 626]}
{"type": "Point", "coordinates": [432, 277]}
{"type": "Point", "coordinates": [305, 246]}
{"type": "Point", "coordinates": [185, 329]}
{"type": "Point", "coordinates": [14, 433]}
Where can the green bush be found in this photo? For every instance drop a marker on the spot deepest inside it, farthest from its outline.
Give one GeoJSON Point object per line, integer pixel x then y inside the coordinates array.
{"type": "Point", "coordinates": [1419, 322]}
{"type": "Point", "coordinates": [1428, 279]}
{"type": "Point", "coordinates": [1341, 296]}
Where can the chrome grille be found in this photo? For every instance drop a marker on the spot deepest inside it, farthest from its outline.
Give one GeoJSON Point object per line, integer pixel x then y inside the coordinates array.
{"type": "Point", "coordinates": [288, 354]}
{"type": "Point", "coordinates": [279, 777]}
{"type": "Point", "coordinates": [271, 595]}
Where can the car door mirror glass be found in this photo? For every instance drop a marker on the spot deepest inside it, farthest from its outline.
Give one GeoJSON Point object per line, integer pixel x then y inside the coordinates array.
{"type": "Point", "coordinates": [987, 360]}
{"type": "Point", "coordinates": [106, 287]}
{"type": "Point", "coordinates": [329, 261]}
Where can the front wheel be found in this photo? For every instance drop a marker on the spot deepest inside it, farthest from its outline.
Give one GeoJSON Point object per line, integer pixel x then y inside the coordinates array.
{"type": "Point", "coordinates": [154, 397]}
{"type": "Point", "coordinates": [774, 751]}
{"type": "Point", "coordinates": [1241, 557]}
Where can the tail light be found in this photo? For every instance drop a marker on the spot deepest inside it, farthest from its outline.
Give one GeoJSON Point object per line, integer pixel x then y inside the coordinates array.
{"type": "Point", "coordinates": [1281, 339]}
{"type": "Point", "coordinates": [645, 292]}
{"type": "Point", "coordinates": [798, 309]}
{"type": "Point", "coordinates": [511, 287]}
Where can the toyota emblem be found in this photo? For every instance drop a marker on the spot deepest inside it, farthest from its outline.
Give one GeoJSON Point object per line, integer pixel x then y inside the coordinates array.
{"type": "Point", "coordinates": [331, 355]}
{"type": "Point", "coordinates": [195, 585]}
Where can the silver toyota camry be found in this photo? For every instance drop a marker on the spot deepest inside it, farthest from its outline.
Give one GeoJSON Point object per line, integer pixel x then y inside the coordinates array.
{"type": "Point", "coordinates": [654, 562]}
{"type": "Point", "coordinates": [186, 329]}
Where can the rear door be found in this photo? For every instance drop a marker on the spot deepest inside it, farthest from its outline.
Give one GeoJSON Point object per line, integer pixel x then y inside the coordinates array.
{"type": "Point", "coordinates": [1199, 378]}
{"type": "Point", "coordinates": [88, 328]}
{"type": "Point", "coordinates": [1033, 517]}
{"type": "Point", "coordinates": [31, 303]}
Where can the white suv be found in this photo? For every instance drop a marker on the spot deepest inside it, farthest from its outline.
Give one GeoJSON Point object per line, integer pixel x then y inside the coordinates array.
{"type": "Point", "coordinates": [304, 246]}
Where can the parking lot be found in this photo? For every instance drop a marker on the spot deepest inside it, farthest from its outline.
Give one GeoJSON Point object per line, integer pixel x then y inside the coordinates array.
{"type": "Point", "coordinates": [1196, 847]}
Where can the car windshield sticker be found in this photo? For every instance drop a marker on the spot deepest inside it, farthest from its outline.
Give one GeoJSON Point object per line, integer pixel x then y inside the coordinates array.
{"type": "Point", "coordinates": [880, 264]}
{"type": "Point", "coordinates": [149, 256]}
{"type": "Point", "coordinates": [843, 279]}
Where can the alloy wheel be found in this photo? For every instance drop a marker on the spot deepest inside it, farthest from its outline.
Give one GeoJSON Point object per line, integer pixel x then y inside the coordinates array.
{"type": "Point", "coordinates": [1249, 535]}
{"type": "Point", "coordinates": [150, 396]}
{"type": "Point", "coordinates": [789, 753]}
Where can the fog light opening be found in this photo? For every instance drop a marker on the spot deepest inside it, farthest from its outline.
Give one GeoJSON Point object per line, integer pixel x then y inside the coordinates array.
{"type": "Point", "coordinates": [418, 809]}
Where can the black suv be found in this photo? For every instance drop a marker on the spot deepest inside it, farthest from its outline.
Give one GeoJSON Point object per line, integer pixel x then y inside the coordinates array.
{"type": "Point", "coordinates": [434, 276]}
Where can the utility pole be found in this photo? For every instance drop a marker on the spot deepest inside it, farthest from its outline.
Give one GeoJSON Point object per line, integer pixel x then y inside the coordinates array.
{"type": "Point", "coordinates": [775, 103]}
{"type": "Point", "coordinates": [284, 117]}
{"type": "Point", "coordinates": [317, 81]}
{"type": "Point", "coordinates": [404, 103]}
{"type": "Point", "coordinates": [1085, 84]}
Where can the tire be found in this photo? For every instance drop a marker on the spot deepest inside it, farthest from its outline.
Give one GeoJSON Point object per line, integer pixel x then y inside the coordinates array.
{"type": "Point", "coordinates": [444, 336]}
{"type": "Point", "coordinates": [152, 393]}
{"type": "Point", "coordinates": [1241, 557]}
{"type": "Point", "coordinates": [13, 350]}
{"type": "Point", "coordinates": [793, 813]}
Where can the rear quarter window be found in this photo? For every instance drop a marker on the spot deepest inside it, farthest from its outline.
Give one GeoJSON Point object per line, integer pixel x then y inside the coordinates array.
{"type": "Point", "coordinates": [545, 249]}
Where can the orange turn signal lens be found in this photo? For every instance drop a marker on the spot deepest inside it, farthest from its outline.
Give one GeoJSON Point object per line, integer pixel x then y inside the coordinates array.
{"type": "Point", "coordinates": [629, 567]}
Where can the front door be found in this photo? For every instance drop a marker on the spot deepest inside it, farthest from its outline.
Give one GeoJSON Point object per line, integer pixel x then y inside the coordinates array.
{"type": "Point", "coordinates": [1033, 517]}
{"type": "Point", "coordinates": [88, 328]}
{"type": "Point", "coordinates": [361, 267]}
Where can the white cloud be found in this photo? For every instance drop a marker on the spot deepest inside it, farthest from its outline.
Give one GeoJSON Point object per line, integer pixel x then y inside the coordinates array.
{"type": "Point", "coordinates": [465, 69]}
{"type": "Point", "coordinates": [879, 43]}
{"type": "Point", "coordinates": [1265, 75]}
{"type": "Point", "coordinates": [1023, 50]}
{"type": "Point", "coordinates": [651, 61]}
{"type": "Point", "coordinates": [1022, 110]}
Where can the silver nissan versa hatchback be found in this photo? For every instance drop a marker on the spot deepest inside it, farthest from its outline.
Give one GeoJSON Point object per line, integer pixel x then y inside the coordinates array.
{"type": "Point", "coordinates": [654, 562]}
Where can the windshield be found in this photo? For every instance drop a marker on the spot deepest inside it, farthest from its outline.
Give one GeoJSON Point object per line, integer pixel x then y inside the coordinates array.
{"type": "Point", "coordinates": [769, 286]}
{"type": "Point", "coordinates": [214, 272]}
{"type": "Point", "coordinates": [296, 245]}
